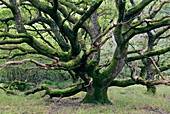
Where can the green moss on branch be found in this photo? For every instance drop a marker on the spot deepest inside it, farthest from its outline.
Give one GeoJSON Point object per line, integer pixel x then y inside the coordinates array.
{"type": "Point", "coordinates": [57, 92]}
{"type": "Point", "coordinates": [137, 9]}
{"type": "Point", "coordinates": [138, 80]}
{"type": "Point", "coordinates": [149, 54]}
{"type": "Point", "coordinates": [123, 83]}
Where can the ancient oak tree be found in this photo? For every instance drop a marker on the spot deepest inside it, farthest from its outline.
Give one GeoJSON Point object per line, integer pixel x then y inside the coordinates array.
{"type": "Point", "coordinates": [73, 33]}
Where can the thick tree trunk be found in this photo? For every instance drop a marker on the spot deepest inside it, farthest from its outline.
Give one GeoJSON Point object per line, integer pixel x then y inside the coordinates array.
{"type": "Point", "coordinates": [96, 95]}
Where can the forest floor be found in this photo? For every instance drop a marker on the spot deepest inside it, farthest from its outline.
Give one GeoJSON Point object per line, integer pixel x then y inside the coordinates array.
{"type": "Point", "coordinates": [129, 100]}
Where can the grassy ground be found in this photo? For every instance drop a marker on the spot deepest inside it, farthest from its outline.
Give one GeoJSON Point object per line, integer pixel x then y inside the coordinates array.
{"type": "Point", "coordinates": [11, 104]}
{"type": "Point", "coordinates": [129, 100]}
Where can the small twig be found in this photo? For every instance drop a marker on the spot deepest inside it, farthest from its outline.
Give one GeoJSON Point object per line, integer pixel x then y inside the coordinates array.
{"type": "Point", "coordinates": [103, 42]}
{"type": "Point", "coordinates": [104, 33]}
{"type": "Point", "coordinates": [110, 28]}
{"type": "Point", "coordinates": [159, 72]}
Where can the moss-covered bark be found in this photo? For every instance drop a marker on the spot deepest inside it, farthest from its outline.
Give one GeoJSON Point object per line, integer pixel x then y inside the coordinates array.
{"type": "Point", "coordinates": [96, 95]}
{"type": "Point", "coordinates": [148, 54]}
{"type": "Point", "coordinates": [123, 83]}
{"type": "Point", "coordinates": [57, 92]}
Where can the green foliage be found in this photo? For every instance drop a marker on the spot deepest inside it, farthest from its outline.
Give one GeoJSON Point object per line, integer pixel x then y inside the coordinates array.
{"type": "Point", "coordinates": [20, 85]}
{"type": "Point", "coordinates": [5, 13]}
{"type": "Point", "coordinates": [58, 84]}
{"type": "Point", "coordinates": [36, 76]}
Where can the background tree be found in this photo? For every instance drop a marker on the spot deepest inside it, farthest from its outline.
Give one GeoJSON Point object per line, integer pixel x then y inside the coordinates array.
{"type": "Point", "coordinates": [71, 33]}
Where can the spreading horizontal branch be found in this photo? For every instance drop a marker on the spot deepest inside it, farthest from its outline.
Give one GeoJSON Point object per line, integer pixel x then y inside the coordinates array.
{"type": "Point", "coordinates": [148, 54]}
{"type": "Point", "coordinates": [58, 92]}
{"type": "Point", "coordinates": [41, 65]}
{"type": "Point", "coordinates": [151, 25]}
{"type": "Point", "coordinates": [129, 82]}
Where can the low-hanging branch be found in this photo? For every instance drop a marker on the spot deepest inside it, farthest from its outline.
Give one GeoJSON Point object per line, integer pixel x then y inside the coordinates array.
{"type": "Point", "coordinates": [74, 89]}
{"type": "Point", "coordinates": [55, 92]}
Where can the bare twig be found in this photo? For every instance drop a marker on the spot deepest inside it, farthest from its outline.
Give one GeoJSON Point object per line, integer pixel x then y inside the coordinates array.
{"type": "Point", "coordinates": [153, 14]}
{"type": "Point", "coordinates": [8, 47]}
{"type": "Point", "coordinates": [104, 33]}
{"type": "Point", "coordinates": [103, 42]}
{"type": "Point", "coordinates": [41, 65]}
{"type": "Point", "coordinates": [159, 72]}
{"type": "Point", "coordinates": [108, 30]}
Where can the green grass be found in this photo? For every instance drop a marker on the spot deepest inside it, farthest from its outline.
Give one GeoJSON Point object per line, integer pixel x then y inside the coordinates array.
{"type": "Point", "coordinates": [133, 100]}
{"type": "Point", "coordinates": [11, 104]}
{"type": "Point", "coordinates": [129, 100]}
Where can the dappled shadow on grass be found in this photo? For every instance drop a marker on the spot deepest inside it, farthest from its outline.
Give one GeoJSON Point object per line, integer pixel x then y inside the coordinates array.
{"type": "Point", "coordinates": [69, 102]}
{"type": "Point", "coordinates": [57, 104]}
